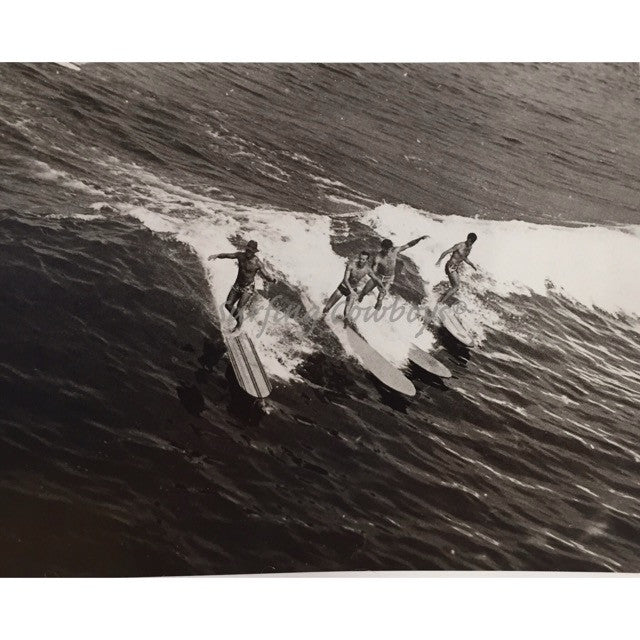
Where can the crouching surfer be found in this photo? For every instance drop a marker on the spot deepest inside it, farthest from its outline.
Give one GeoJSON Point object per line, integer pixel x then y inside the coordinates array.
{"type": "Point", "coordinates": [357, 269]}
{"type": "Point", "coordinates": [384, 267]}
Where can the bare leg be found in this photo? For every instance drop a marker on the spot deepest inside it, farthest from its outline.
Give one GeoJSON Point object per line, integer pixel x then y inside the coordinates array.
{"type": "Point", "coordinates": [454, 279]}
{"type": "Point", "coordinates": [351, 300]}
{"type": "Point", "coordinates": [231, 302]}
{"type": "Point", "coordinates": [367, 289]}
{"type": "Point", "coordinates": [335, 296]}
{"type": "Point", "coordinates": [382, 292]}
{"type": "Point", "coordinates": [238, 313]}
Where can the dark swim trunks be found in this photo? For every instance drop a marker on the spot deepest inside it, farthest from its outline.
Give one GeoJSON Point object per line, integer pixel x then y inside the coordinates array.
{"type": "Point", "coordinates": [343, 289]}
{"type": "Point", "coordinates": [237, 292]}
{"type": "Point", "coordinates": [452, 271]}
{"type": "Point", "coordinates": [452, 266]}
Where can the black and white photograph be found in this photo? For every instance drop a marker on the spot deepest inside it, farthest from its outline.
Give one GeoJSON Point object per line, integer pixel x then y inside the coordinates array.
{"type": "Point", "coordinates": [269, 318]}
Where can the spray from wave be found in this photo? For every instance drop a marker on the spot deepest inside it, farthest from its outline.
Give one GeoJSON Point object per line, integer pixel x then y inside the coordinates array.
{"type": "Point", "coordinates": [595, 266]}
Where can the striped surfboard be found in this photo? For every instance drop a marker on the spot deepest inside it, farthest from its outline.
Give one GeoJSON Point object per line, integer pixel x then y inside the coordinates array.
{"type": "Point", "coordinates": [246, 365]}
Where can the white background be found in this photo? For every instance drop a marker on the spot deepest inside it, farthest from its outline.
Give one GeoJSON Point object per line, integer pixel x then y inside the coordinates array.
{"type": "Point", "coordinates": [386, 606]}
{"type": "Point", "coordinates": [331, 30]}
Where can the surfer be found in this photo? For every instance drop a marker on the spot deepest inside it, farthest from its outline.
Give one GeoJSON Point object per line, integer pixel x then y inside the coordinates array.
{"type": "Point", "coordinates": [357, 269]}
{"type": "Point", "coordinates": [244, 286]}
{"type": "Point", "coordinates": [459, 254]}
{"type": "Point", "coordinates": [384, 267]}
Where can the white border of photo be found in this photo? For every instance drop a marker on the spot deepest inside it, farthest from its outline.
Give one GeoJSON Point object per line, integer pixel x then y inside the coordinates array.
{"type": "Point", "coordinates": [355, 605]}
{"type": "Point", "coordinates": [329, 31]}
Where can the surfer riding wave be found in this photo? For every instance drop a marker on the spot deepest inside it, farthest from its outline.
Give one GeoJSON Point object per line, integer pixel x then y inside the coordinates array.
{"type": "Point", "coordinates": [244, 286]}
{"type": "Point", "coordinates": [459, 254]}
{"type": "Point", "coordinates": [357, 269]}
{"type": "Point", "coordinates": [384, 267]}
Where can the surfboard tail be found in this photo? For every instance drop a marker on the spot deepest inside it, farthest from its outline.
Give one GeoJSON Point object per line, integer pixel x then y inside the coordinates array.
{"type": "Point", "coordinates": [247, 366]}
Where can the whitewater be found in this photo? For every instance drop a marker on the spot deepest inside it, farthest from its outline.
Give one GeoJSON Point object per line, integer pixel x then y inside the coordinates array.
{"type": "Point", "coordinates": [127, 445]}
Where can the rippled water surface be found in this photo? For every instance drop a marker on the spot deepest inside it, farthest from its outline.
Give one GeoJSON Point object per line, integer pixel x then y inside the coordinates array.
{"type": "Point", "coordinates": [126, 447]}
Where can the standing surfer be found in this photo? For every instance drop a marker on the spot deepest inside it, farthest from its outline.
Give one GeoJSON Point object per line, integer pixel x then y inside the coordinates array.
{"type": "Point", "coordinates": [384, 267]}
{"type": "Point", "coordinates": [244, 286]}
{"type": "Point", "coordinates": [357, 269]}
{"type": "Point", "coordinates": [459, 254]}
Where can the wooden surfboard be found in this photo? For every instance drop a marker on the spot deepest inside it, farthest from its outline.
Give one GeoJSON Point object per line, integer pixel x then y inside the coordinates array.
{"type": "Point", "coordinates": [246, 365]}
{"type": "Point", "coordinates": [427, 362]}
{"type": "Point", "coordinates": [371, 360]}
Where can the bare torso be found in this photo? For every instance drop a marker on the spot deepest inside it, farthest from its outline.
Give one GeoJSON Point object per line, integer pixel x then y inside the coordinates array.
{"type": "Point", "coordinates": [247, 269]}
{"type": "Point", "coordinates": [357, 273]}
{"type": "Point", "coordinates": [385, 264]}
{"type": "Point", "coordinates": [460, 254]}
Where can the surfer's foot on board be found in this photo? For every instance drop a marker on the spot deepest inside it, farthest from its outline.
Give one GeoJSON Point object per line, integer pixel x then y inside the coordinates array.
{"type": "Point", "coordinates": [347, 322]}
{"type": "Point", "coordinates": [233, 328]}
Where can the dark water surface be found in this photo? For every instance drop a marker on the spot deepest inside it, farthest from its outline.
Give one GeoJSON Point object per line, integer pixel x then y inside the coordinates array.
{"type": "Point", "coordinates": [126, 447]}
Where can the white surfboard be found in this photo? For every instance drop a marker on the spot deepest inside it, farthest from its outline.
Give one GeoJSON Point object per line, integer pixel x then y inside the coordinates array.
{"type": "Point", "coordinates": [454, 326]}
{"type": "Point", "coordinates": [370, 359]}
{"type": "Point", "coordinates": [427, 362]}
{"type": "Point", "coordinates": [246, 364]}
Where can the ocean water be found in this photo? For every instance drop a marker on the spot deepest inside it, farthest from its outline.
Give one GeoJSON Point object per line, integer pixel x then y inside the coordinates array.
{"type": "Point", "coordinates": [126, 447]}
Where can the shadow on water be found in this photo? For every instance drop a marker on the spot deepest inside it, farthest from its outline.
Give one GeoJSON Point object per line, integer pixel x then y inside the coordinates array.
{"type": "Point", "coordinates": [454, 347]}
{"type": "Point", "coordinates": [212, 352]}
{"type": "Point", "coordinates": [191, 398]}
{"type": "Point", "coordinates": [246, 408]}
{"type": "Point", "coordinates": [328, 373]}
{"type": "Point", "coordinates": [391, 398]}
{"type": "Point", "coordinates": [427, 378]}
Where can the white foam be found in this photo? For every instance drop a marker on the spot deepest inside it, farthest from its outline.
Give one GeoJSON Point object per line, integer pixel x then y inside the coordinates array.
{"type": "Point", "coordinates": [45, 172]}
{"type": "Point", "coordinates": [297, 246]}
{"type": "Point", "coordinates": [339, 192]}
{"type": "Point", "coordinates": [595, 266]}
{"type": "Point", "coordinates": [300, 246]}
{"type": "Point", "coordinates": [75, 216]}
{"type": "Point", "coordinates": [345, 201]}
{"type": "Point", "coordinates": [282, 345]}
{"type": "Point", "coordinates": [272, 171]}
{"type": "Point", "coordinates": [330, 183]}
{"type": "Point", "coordinates": [513, 257]}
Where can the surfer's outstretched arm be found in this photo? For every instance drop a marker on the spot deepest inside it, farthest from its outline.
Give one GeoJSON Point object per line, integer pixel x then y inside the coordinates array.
{"type": "Point", "coordinates": [411, 243]}
{"type": "Point", "coordinates": [215, 256]}
{"type": "Point", "coordinates": [471, 264]}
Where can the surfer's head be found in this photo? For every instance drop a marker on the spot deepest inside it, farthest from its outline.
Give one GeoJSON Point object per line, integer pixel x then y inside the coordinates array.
{"type": "Point", "coordinates": [471, 238]}
{"type": "Point", "coordinates": [252, 248]}
{"type": "Point", "coordinates": [386, 245]}
{"type": "Point", "coordinates": [363, 258]}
